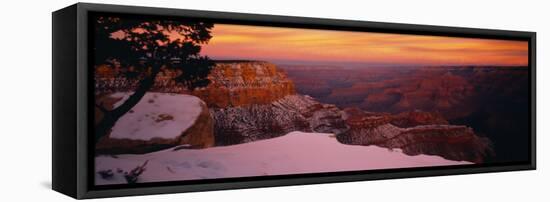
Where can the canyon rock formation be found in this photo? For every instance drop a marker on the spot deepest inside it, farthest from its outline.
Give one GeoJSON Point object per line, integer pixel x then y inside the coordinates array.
{"type": "Point", "coordinates": [251, 100]}
{"type": "Point", "coordinates": [244, 83]}
{"type": "Point", "coordinates": [254, 100]}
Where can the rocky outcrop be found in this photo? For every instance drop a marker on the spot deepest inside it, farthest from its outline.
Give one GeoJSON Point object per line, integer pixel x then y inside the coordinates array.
{"type": "Point", "coordinates": [235, 84]}
{"type": "Point", "coordinates": [253, 100]}
{"type": "Point", "coordinates": [200, 134]}
{"type": "Point", "coordinates": [457, 143]}
{"type": "Point", "coordinates": [234, 125]}
{"type": "Point", "coordinates": [415, 133]}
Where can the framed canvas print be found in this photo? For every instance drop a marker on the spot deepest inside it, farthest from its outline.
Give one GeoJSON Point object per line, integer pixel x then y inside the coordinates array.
{"type": "Point", "coordinates": [154, 100]}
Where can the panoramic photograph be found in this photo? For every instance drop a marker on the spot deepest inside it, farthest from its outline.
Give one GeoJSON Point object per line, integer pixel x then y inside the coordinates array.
{"type": "Point", "coordinates": [180, 100]}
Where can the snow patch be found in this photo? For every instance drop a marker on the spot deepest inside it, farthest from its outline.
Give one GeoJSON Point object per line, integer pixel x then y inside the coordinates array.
{"type": "Point", "coordinates": [162, 115]}
{"type": "Point", "coordinates": [294, 153]}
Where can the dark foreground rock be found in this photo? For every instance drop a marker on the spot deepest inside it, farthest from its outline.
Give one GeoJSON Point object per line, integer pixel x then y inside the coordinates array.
{"type": "Point", "coordinates": [198, 135]}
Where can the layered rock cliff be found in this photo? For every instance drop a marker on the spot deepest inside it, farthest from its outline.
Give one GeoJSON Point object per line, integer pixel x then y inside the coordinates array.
{"type": "Point", "coordinates": [415, 133]}
{"type": "Point", "coordinates": [244, 83]}
{"type": "Point", "coordinates": [250, 101]}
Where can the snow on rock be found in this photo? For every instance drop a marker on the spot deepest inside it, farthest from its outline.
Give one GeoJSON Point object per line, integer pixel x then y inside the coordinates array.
{"type": "Point", "coordinates": [157, 115]}
{"type": "Point", "coordinates": [294, 153]}
{"type": "Point", "coordinates": [241, 124]}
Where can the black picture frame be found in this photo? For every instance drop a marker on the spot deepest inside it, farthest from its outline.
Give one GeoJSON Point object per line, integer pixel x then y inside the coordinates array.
{"type": "Point", "coordinates": [72, 164]}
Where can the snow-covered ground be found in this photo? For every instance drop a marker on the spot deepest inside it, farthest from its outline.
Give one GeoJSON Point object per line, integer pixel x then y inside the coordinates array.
{"type": "Point", "coordinates": [294, 153]}
{"type": "Point", "coordinates": [160, 115]}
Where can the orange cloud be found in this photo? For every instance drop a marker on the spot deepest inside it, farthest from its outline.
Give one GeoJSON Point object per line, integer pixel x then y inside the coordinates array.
{"type": "Point", "coordinates": [274, 43]}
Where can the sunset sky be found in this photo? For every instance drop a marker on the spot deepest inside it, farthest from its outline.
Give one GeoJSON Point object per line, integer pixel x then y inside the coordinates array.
{"type": "Point", "coordinates": [308, 45]}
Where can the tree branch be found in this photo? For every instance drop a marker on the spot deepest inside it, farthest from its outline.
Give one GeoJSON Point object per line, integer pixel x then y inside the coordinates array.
{"type": "Point", "coordinates": [110, 118]}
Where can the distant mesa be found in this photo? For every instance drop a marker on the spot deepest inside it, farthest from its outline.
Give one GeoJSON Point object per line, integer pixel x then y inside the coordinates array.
{"type": "Point", "coordinates": [239, 61]}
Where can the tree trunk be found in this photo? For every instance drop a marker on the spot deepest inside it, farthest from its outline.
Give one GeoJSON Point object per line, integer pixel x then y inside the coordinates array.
{"type": "Point", "coordinates": [112, 116]}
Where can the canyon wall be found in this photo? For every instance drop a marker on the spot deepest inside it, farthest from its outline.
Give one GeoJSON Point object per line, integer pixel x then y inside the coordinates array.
{"type": "Point", "coordinates": [251, 100]}
{"type": "Point", "coordinates": [415, 133]}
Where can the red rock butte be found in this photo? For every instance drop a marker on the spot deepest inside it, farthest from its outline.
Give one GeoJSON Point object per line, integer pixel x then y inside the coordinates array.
{"type": "Point", "coordinates": [240, 83]}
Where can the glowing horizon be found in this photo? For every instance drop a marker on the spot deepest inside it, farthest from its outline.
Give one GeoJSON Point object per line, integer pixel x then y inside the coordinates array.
{"type": "Point", "coordinates": [292, 44]}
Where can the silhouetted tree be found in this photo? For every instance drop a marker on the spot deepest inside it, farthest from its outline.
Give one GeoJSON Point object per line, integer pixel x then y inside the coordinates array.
{"type": "Point", "coordinates": [147, 46]}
